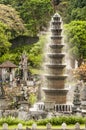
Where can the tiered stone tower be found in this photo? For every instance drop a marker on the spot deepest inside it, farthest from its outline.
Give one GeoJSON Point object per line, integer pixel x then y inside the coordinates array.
{"type": "Point", "coordinates": [55, 79]}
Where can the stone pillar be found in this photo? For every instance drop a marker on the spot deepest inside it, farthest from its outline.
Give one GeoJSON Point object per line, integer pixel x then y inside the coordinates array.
{"type": "Point", "coordinates": [3, 74]}
{"type": "Point", "coordinates": [13, 73]}
{"type": "Point", "coordinates": [55, 108]}
{"type": "Point", "coordinates": [65, 108]}
{"type": "Point", "coordinates": [23, 66]}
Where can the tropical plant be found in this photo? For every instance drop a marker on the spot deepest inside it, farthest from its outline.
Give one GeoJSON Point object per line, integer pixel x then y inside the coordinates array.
{"type": "Point", "coordinates": [11, 18]}
{"type": "Point", "coordinates": [32, 98]}
{"type": "Point", "coordinates": [76, 40]}
{"type": "Point", "coordinates": [4, 37]}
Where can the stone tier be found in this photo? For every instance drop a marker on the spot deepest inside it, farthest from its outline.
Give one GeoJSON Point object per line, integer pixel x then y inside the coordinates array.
{"type": "Point", "coordinates": [56, 55]}
{"type": "Point", "coordinates": [56, 31]}
{"type": "Point", "coordinates": [54, 60]}
{"type": "Point", "coordinates": [56, 25]}
{"type": "Point", "coordinates": [58, 66]}
{"type": "Point", "coordinates": [56, 77]}
{"type": "Point", "coordinates": [56, 46]}
{"type": "Point", "coordinates": [56, 17]}
{"type": "Point", "coordinates": [55, 84]}
{"type": "Point", "coordinates": [59, 96]}
{"type": "Point", "coordinates": [55, 69]}
{"type": "Point", "coordinates": [55, 22]}
{"type": "Point", "coordinates": [56, 39]}
{"type": "Point", "coordinates": [56, 91]}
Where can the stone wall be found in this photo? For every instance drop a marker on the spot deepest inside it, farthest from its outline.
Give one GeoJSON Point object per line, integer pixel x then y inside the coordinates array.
{"type": "Point", "coordinates": [23, 40]}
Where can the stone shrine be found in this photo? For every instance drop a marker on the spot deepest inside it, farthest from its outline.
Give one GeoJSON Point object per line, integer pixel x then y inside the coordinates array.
{"type": "Point", "coordinates": [8, 71]}
{"type": "Point", "coordinates": [76, 100]}
{"type": "Point", "coordinates": [83, 100]}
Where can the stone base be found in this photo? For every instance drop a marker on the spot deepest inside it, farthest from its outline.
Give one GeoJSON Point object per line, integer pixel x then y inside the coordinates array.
{"type": "Point", "coordinates": [56, 98]}
{"type": "Point", "coordinates": [63, 108]}
{"type": "Point", "coordinates": [23, 105]}
{"type": "Point", "coordinates": [60, 108]}
{"type": "Point", "coordinates": [3, 104]}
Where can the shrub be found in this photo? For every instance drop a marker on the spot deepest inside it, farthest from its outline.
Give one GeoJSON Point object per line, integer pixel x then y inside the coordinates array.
{"type": "Point", "coordinates": [54, 121]}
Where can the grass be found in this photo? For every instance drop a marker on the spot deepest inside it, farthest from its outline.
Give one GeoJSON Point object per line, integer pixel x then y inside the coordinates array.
{"type": "Point", "coordinates": [36, 71]}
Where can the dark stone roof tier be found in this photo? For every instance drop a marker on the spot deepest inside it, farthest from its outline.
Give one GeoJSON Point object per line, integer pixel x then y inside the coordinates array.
{"type": "Point", "coordinates": [56, 29]}
{"type": "Point", "coordinates": [60, 66]}
{"type": "Point", "coordinates": [56, 55]}
{"type": "Point", "coordinates": [56, 37]}
{"type": "Point", "coordinates": [55, 91]}
{"type": "Point", "coordinates": [8, 64]}
{"type": "Point", "coordinates": [55, 22]}
{"type": "Point", "coordinates": [54, 46]}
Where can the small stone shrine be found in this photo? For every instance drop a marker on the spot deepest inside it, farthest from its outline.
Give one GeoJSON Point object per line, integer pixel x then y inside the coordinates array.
{"type": "Point", "coordinates": [7, 71]}
{"type": "Point", "coordinates": [83, 102]}
{"type": "Point", "coordinates": [76, 100]}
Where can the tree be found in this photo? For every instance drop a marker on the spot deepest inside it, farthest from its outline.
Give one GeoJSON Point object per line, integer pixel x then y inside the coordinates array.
{"type": "Point", "coordinates": [76, 39]}
{"type": "Point", "coordinates": [10, 17]}
{"type": "Point", "coordinates": [62, 9]}
{"type": "Point", "coordinates": [36, 52]}
{"type": "Point", "coordinates": [76, 10]}
{"type": "Point", "coordinates": [36, 14]}
{"type": "Point", "coordinates": [80, 72]}
{"type": "Point", "coordinates": [4, 37]}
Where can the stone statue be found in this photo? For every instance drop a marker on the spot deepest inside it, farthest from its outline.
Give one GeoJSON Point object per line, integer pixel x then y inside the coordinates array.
{"type": "Point", "coordinates": [2, 93]}
{"type": "Point", "coordinates": [23, 66]}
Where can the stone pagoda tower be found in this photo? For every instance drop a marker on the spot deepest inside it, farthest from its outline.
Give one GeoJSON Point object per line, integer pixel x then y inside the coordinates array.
{"type": "Point", "coordinates": [55, 90]}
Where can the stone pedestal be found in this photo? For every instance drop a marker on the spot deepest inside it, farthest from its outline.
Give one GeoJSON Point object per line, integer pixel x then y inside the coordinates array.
{"type": "Point", "coordinates": [3, 104]}
{"type": "Point", "coordinates": [23, 105]}
{"type": "Point", "coordinates": [22, 115]}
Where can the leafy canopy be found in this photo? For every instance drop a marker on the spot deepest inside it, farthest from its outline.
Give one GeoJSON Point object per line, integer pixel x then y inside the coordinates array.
{"type": "Point", "coordinates": [4, 37]}
{"type": "Point", "coordinates": [36, 14]}
{"type": "Point", "coordinates": [76, 38]}
{"type": "Point", "coordinates": [76, 10]}
{"type": "Point", "coordinates": [10, 17]}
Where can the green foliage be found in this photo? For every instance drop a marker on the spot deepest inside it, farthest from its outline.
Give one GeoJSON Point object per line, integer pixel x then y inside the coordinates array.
{"type": "Point", "coordinates": [76, 38]}
{"type": "Point", "coordinates": [4, 36]}
{"type": "Point", "coordinates": [32, 98]}
{"type": "Point", "coordinates": [10, 56]}
{"type": "Point", "coordinates": [9, 121]}
{"type": "Point", "coordinates": [78, 14]}
{"type": "Point", "coordinates": [36, 52]}
{"type": "Point", "coordinates": [14, 121]}
{"type": "Point", "coordinates": [10, 17]}
{"type": "Point", "coordinates": [54, 121]}
{"type": "Point", "coordinates": [34, 13]}
{"type": "Point", "coordinates": [76, 10]}
{"type": "Point", "coordinates": [59, 120]}
{"type": "Point", "coordinates": [43, 121]}
{"type": "Point", "coordinates": [62, 9]}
